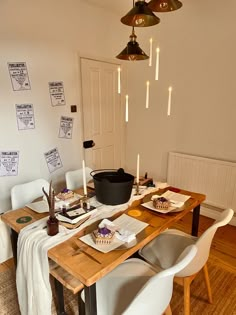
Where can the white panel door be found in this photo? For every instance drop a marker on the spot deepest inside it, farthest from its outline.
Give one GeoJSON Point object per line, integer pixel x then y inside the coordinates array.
{"type": "Point", "coordinates": [101, 114]}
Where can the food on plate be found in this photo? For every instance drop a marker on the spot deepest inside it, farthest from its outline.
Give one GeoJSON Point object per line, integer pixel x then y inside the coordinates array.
{"type": "Point", "coordinates": [65, 194]}
{"type": "Point", "coordinates": [161, 203]}
{"type": "Point", "coordinates": [103, 236]}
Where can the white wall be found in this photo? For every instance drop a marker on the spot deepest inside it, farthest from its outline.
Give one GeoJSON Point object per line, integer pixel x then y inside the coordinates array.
{"type": "Point", "coordinates": [197, 58]}
{"type": "Point", "coordinates": [48, 36]}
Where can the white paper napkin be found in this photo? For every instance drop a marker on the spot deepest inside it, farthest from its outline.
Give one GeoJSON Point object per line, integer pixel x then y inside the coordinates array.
{"type": "Point", "coordinates": [125, 235]}
{"type": "Point", "coordinates": [121, 233]}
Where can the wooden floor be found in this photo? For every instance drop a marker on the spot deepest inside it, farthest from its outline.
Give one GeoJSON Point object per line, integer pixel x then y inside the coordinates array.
{"type": "Point", "coordinates": [223, 250]}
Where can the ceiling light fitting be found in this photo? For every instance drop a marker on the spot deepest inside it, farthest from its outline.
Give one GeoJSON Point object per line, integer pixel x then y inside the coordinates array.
{"type": "Point", "coordinates": [140, 16]}
{"type": "Point", "coordinates": [164, 5]}
{"type": "Point", "coordinates": [132, 51]}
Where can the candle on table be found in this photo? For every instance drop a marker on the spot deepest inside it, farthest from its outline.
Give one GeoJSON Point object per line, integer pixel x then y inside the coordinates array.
{"type": "Point", "coordinates": [137, 174]}
{"type": "Point", "coordinates": [126, 108]}
{"type": "Point", "coordinates": [157, 63]}
{"type": "Point", "coordinates": [84, 179]}
{"type": "Point", "coordinates": [150, 53]}
{"type": "Point", "coordinates": [147, 94]}
{"type": "Point", "coordinates": [169, 101]}
{"type": "Point", "coordinates": [118, 79]}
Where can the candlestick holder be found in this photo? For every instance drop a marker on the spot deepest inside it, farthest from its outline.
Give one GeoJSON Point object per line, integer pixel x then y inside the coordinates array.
{"type": "Point", "coordinates": [84, 203]}
{"type": "Point", "coordinates": [52, 222]}
{"type": "Point", "coordinates": [137, 192]}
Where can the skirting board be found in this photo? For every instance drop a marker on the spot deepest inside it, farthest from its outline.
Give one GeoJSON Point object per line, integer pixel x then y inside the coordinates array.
{"type": "Point", "coordinates": [211, 212]}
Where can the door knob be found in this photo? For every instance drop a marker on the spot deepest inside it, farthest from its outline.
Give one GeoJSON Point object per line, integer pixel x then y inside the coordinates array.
{"type": "Point", "coordinates": [88, 144]}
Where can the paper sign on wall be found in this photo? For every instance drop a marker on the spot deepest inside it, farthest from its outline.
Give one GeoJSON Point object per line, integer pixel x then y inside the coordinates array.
{"type": "Point", "coordinates": [25, 116]}
{"type": "Point", "coordinates": [53, 160]}
{"type": "Point", "coordinates": [66, 125]}
{"type": "Point", "coordinates": [56, 90]}
{"type": "Point", "coordinates": [19, 76]}
{"type": "Point", "coordinates": [9, 161]}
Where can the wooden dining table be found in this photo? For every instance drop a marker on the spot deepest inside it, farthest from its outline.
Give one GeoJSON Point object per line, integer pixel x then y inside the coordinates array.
{"type": "Point", "coordinates": [90, 265]}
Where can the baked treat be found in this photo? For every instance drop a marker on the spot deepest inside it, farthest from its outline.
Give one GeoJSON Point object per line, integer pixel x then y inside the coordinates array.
{"type": "Point", "coordinates": [65, 194]}
{"type": "Point", "coordinates": [161, 203]}
{"type": "Point", "coordinates": [103, 236]}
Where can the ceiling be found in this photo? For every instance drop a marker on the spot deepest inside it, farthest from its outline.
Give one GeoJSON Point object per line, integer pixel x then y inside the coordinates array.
{"type": "Point", "coordinates": [117, 6]}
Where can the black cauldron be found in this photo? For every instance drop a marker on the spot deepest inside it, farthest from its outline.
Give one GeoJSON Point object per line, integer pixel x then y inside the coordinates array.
{"type": "Point", "coordinates": [112, 187]}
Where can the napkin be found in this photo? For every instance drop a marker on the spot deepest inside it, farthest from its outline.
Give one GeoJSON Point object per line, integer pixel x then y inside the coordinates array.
{"type": "Point", "coordinates": [121, 234]}
{"type": "Point", "coordinates": [107, 224]}
{"type": "Point", "coordinates": [125, 235]}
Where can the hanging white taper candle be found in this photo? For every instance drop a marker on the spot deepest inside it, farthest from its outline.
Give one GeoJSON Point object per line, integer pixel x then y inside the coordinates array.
{"type": "Point", "coordinates": [147, 94]}
{"type": "Point", "coordinates": [150, 53]}
{"type": "Point", "coordinates": [137, 171]}
{"type": "Point", "coordinates": [84, 179]}
{"type": "Point", "coordinates": [118, 70]}
{"type": "Point", "coordinates": [169, 101]}
{"type": "Point", "coordinates": [126, 108]}
{"type": "Point", "coordinates": [157, 63]}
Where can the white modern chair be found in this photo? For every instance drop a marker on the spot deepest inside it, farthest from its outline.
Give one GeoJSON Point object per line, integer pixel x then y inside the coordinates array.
{"type": "Point", "coordinates": [163, 251]}
{"type": "Point", "coordinates": [5, 243]}
{"type": "Point", "coordinates": [22, 194]}
{"type": "Point", "coordinates": [135, 287]}
{"type": "Point", "coordinates": [74, 179]}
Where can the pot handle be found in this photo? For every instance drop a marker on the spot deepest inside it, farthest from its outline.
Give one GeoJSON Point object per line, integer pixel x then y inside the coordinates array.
{"type": "Point", "coordinates": [119, 171]}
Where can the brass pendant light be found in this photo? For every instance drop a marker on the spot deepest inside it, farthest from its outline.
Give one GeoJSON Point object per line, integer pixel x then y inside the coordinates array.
{"type": "Point", "coordinates": [132, 51]}
{"type": "Point", "coordinates": [140, 15]}
{"type": "Point", "coordinates": [164, 5]}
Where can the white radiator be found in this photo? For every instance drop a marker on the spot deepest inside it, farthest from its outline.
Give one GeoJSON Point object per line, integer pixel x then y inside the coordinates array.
{"type": "Point", "coordinates": [214, 178]}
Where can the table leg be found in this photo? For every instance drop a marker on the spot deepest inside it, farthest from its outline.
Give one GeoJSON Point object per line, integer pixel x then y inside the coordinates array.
{"type": "Point", "coordinates": [195, 220]}
{"type": "Point", "coordinates": [81, 306]}
{"type": "Point", "coordinates": [90, 300]}
{"type": "Point", "coordinates": [60, 297]}
{"type": "Point", "coordinates": [14, 239]}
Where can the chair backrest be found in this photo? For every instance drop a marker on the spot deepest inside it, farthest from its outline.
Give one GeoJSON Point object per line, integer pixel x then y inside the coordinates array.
{"type": "Point", "coordinates": [25, 193]}
{"type": "Point", "coordinates": [74, 179]}
{"type": "Point", "coordinates": [203, 244]}
{"type": "Point", "coordinates": [155, 295]}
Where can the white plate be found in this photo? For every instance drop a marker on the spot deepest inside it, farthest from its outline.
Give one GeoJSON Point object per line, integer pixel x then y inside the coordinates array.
{"type": "Point", "coordinates": [150, 206]}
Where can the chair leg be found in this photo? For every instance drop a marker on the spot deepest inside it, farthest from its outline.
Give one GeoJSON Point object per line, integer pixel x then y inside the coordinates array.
{"type": "Point", "coordinates": [207, 281]}
{"type": "Point", "coordinates": [168, 310]}
{"type": "Point", "coordinates": [187, 283]}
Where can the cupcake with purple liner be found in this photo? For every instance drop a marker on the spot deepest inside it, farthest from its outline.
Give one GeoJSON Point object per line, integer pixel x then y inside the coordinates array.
{"type": "Point", "coordinates": [161, 203]}
{"type": "Point", "coordinates": [103, 236]}
{"type": "Point", "coordinates": [65, 194]}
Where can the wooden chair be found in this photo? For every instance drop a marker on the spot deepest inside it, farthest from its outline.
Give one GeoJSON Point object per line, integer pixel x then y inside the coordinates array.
{"type": "Point", "coordinates": [134, 287]}
{"type": "Point", "coordinates": [165, 250]}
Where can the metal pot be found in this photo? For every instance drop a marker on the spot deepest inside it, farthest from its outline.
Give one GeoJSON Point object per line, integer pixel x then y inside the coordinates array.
{"type": "Point", "coordinates": [112, 187]}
